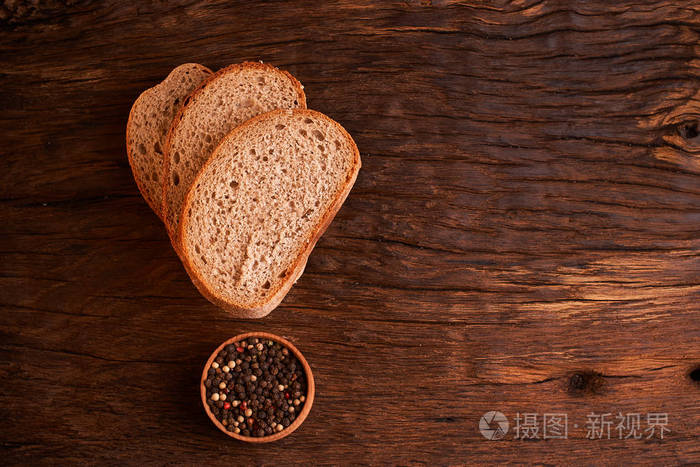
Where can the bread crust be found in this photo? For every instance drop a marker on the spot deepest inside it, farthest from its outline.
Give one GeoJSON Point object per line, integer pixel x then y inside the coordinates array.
{"type": "Point", "coordinates": [264, 307]}
{"type": "Point", "coordinates": [301, 98]}
{"type": "Point", "coordinates": [157, 209]}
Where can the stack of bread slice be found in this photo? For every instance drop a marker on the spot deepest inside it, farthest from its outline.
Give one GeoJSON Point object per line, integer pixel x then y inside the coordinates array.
{"type": "Point", "coordinates": [244, 177]}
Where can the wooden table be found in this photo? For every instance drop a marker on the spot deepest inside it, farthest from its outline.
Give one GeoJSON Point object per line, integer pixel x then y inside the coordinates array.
{"type": "Point", "coordinates": [523, 237]}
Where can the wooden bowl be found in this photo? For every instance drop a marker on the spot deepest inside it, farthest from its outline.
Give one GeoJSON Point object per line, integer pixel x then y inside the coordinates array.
{"type": "Point", "coordinates": [310, 389]}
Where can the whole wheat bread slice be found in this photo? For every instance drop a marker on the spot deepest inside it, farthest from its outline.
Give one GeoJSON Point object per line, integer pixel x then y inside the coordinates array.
{"type": "Point", "coordinates": [149, 121]}
{"type": "Point", "coordinates": [228, 98]}
{"type": "Point", "coordinates": [258, 206]}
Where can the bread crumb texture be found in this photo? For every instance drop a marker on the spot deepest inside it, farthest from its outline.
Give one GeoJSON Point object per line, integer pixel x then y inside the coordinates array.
{"type": "Point", "coordinates": [234, 95]}
{"type": "Point", "coordinates": [148, 125]}
{"type": "Point", "coordinates": [260, 200]}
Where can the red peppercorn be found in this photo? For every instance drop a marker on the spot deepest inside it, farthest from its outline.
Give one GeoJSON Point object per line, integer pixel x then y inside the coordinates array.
{"type": "Point", "coordinates": [286, 395]}
{"type": "Point", "coordinates": [227, 405]}
{"type": "Point", "coordinates": [244, 405]}
{"type": "Point", "coordinates": [239, 349]}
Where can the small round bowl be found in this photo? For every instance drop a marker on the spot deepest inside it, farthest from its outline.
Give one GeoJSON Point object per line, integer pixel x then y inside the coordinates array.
{"type": "Point", "coordinates": [310, 389]}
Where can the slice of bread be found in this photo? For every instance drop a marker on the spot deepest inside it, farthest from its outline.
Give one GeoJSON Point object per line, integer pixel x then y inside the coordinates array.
{"type": "Point", "coordinates": [258, 206]}
{"type": "Point", "coordinates": [228, 98]}
{"type": "Point", "coordinates": [148, 125]}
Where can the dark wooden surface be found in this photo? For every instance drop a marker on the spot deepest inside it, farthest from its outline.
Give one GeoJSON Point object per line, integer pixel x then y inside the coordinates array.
{"type": "Point", "coordinates": [528, 212]}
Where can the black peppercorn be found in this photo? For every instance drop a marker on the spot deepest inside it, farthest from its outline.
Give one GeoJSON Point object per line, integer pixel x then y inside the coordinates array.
{"type": "Point", "coordinates": [253, 389]}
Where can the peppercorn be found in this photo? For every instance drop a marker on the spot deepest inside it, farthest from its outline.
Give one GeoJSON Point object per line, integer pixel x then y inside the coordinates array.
{"type": "Point", "coordinates": [256, 384]}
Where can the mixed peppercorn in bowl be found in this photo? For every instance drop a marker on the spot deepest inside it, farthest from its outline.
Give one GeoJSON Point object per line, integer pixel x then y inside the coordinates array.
{"type": "Point", "coordinates": [257, 387]}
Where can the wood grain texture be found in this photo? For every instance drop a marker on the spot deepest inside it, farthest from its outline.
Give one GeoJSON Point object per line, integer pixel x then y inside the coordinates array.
{"type": "Point", "coordinates": [528, 210]}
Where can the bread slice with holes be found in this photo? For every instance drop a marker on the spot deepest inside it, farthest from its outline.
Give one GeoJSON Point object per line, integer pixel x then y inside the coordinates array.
{"type": "Point", "coordinates": [258, 206]}
{"type": "Point", "coordinates": [225, 100]}
{"type": "Point", "coordinates": [149, 121]}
